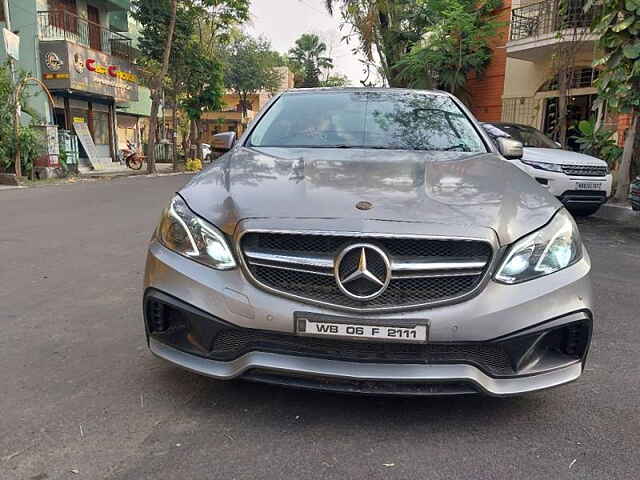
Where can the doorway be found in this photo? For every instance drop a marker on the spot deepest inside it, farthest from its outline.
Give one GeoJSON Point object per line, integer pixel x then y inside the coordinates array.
{"type": "Point", "coordinates": [579, 108]}
{"type": "Point", "coordinates": [93, 14]}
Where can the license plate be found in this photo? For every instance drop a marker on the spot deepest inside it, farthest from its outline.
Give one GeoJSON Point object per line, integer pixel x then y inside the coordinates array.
{"type": "Point", "coordinates": [313, 327]}
{"type": "Point", "coordinates": [589, 186]}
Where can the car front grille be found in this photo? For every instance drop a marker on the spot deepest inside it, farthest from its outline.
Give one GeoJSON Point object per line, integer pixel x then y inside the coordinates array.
{"type": "Point", "coordinates": [585, 170]}
{"type": "Point", "coordinates": [489, 357]}
{"type": "Point", "coordinates": [424, 271]}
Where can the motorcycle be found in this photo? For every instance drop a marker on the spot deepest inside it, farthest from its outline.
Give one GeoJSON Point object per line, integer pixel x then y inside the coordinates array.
{"type": "Point", "coordinates": [131, 157]}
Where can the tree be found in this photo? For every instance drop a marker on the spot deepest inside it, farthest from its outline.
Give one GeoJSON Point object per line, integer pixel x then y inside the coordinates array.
{"type": "Point", "coordinates": [386, 30]}
{"type": "Point", "coordinates": [193, 80]}
{"type": "Point", "coordinates": [572, 29]}
{"type": "Point", "coordinates": [619, 82]}
{"type": "Point", "coordinates": [338, 80]}
{"type": "Point", "coordinates": [147, 12]}
{"type": "Point", "coordinates": [251, 66]}
{"type": "Point", "coordinates": [203, 87]}
{"type": "Point", "coordinates": [26, 138]}
{"type": "Point", "coordinates": [309, 56]}
{"type": "Point", "coordinates": [455, 45]}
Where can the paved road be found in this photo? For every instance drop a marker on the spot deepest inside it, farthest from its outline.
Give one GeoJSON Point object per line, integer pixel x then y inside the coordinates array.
{"type": "Point", "coordinates": [80, 396]}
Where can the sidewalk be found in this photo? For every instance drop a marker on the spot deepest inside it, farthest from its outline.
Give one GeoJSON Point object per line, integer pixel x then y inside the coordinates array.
{"type": "Point", "coordinates": [118, 170]}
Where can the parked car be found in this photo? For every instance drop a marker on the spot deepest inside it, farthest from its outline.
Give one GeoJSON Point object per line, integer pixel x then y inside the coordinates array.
{"type": "Point", "coordinates": [635, 194]}
{"type": "Point", "coordinates": [581, 182]}
{"type": "Point", "coordinates": [206, 152]}
{"type": "Point", "coordinates": [370, 241]}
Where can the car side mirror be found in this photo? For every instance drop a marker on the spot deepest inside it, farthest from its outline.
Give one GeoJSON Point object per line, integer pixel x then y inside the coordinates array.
{"type": "Point", "coordinates": [223, 142]}
{"type": "Point", "coordinates": [509, 148]}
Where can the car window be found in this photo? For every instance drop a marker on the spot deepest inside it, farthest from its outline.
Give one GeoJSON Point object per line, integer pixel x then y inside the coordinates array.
{"type": "Point", "coordinates": [529, 136]}
{"type": "Point", "coordinates": [389, 120]}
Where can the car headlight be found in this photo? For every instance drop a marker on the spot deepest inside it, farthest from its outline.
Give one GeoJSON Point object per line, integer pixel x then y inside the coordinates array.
{"type": "Point", "coordinates": [185, 233]}
{"type": "Point", "coordinates": [550, 167]}
{"type": "Point", "coordinates": [554, 247]}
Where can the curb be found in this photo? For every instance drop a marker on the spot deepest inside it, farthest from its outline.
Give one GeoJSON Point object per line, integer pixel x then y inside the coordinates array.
{"type": "Point", "coordinates": [618, 213]}
{"type": "Point", "coordinates": [114, 175]}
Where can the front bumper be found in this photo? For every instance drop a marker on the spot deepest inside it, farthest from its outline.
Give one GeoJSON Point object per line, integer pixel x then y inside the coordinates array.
{"type": "Point", "coordinates": [354, 377]}
{"type": "Point", "coordinates": [508, 340]}
{"type": "Point", "coordinates": [569, 189]}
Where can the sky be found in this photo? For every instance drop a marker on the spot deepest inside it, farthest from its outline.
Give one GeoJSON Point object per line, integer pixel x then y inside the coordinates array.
{"type": "Point", "coordinates": [283, 21]}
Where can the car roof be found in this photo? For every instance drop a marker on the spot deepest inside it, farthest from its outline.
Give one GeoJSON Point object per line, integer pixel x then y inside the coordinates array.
{"type": "Point", "coordinates": [302, 91]}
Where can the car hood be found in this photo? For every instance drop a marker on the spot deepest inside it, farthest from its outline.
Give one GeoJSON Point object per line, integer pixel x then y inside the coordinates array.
{"type": "Point", "coordinates": [451, 191]}
{"type": "Point", "coordinates": [561, 157]}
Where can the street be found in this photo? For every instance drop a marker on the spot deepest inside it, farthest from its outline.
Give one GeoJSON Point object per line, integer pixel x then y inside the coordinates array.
{"type": "Point", "coordinates": [82, 397]}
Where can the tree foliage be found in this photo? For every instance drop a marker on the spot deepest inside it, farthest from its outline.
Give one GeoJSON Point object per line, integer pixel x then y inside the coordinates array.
{"type": "Point", "coordinates": [619, 82]}
{"type": "Point", "coordinates": [251, 66]}
{"type": "Point", "coordinates": [309, 59]}
{"type": "Point", "coordinates": [422, 43]}
{"type": "Point", "coordinates": [194, 78]}
{"type": "Point", "coordinates": [454, 46]}
{"type": "Point", "coordinates": [385, 29]}
{"type": "Point", "coordinates": [8, 140]}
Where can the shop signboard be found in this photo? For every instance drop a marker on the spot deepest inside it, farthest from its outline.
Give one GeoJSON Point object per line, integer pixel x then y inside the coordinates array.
{"type": "Point", "coordinates": [71, 67]}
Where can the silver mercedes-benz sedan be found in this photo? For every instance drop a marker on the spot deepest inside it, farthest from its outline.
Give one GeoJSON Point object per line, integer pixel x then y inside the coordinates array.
{"type": "Point", "coordinates": [370, 241]}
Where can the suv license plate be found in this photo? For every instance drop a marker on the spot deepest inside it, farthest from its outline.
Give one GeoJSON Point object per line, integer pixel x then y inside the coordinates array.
{"type": "Point", "coordinates": [589, 186]}
{"type": "Point", "coordinates": [313, 328]}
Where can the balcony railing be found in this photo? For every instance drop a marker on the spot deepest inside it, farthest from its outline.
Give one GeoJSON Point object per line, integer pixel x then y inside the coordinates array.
{"type": "Point", "coordinates": [550, 16]}
{"type": "Point", "coordinates": [65, 25]}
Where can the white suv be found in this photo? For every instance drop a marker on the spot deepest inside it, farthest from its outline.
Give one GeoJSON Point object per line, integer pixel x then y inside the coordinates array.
{"type": "Point", "coordinates": [581, 182]}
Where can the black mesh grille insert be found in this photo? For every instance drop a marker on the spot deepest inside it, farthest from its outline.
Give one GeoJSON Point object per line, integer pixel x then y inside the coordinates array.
{"type": "Point", "coordinates": [410, 247]}
{"type": "Point", "coordinates": [490, 357]}
{"type": "Point", "coordinates": [402, 292]}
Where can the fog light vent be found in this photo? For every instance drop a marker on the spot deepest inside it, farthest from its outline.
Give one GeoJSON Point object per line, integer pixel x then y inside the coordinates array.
{"type": "Point", "coordinates": [574, 344]}
{"type": "Point", "coordinates": [156, 317]}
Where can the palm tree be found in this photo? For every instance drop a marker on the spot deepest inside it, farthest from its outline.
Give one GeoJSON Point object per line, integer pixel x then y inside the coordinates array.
{"type": "Point", "coordinates": [309, 55]}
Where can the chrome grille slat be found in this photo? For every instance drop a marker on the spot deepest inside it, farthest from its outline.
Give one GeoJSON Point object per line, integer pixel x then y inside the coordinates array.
{"type": "Point", "coordinates": [282, 257]}
{"type": "Point", "coordinates": [293, 269]}
{"type": "Point", "coordinates": [428, 274]}
{"type": "Point", "coordinates": [417, 264]}
{"type": "Point", "coordinates": [424, 270]}
{"type": "Point", "coordinates": [585, 170]}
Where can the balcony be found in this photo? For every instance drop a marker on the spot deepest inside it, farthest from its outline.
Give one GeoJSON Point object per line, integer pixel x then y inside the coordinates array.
{"type": "Point", "coordinates": [64, 25]}
{"type": "Point", "coordinates": [539, 28]}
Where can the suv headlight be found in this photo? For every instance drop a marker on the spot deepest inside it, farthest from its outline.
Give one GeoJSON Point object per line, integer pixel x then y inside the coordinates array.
{"type": "Point", "coordinates": [550, 167]}
{"type": "Point", "coordinates": [555, 246]}
{"type": "Point", "coordinates": [185, 233]}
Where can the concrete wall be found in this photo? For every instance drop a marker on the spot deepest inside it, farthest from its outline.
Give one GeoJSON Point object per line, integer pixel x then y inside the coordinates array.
{"type": "Point", "coordinates": [23, 19]}
{"type": "Point", "coordinates": [486, 90]}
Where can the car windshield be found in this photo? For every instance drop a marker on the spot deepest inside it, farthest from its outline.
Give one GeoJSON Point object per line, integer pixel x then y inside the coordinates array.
{"type": "Point", "coordinates": [529, 136]}
{"type": "Point", "coordinates": [386, 120]}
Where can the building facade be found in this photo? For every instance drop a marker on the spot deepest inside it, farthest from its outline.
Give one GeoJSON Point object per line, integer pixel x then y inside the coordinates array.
{"type": "Point", "coordinates": [82, 52]}
{"type": "Point", "coordinates": [521, 84]}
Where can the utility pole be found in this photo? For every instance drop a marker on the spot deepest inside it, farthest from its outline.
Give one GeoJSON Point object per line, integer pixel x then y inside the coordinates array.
{"type": "Point", "coordinates": [18, 166]}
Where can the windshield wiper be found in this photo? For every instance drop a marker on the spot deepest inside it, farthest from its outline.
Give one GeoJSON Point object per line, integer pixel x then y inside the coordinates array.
{"type": "Point", "coordinates": [460, 145]}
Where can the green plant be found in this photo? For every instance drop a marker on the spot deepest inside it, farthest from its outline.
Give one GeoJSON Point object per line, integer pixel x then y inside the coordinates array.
{"type": "Point", "coordinates": [454, 46]}
{"type": "Point", "coordinates": [598, 142]}
{"type": "Point", "coordinates": [619, 83]}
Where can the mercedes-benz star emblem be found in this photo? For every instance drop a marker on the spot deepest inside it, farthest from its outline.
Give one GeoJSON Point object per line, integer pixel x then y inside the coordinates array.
{"type": "Point", "coordinates": [362, 271]}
